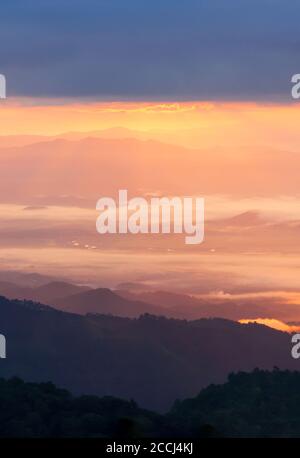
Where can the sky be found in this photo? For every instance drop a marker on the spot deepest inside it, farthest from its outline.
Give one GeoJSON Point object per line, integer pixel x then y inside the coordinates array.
{"type": "Point", "coordinates": [158, 50]}
{"type": "Point", "coordinates": [164, 97]}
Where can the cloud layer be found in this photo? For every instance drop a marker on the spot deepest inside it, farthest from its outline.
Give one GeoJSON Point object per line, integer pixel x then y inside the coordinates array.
{"type": "Point", "coordinates": [170, 49]}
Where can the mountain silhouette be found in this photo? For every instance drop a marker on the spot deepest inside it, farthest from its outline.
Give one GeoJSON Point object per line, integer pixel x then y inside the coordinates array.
{"type": "Point", "coordinates": [52, 412]}
{"type": "Point", "coordinates": [47, 293]}
{"type": "Point", "coordinates": [134, 302]}
{"type": "Point", "coordinates": [257, 404]}
{"type": "Point", "coordinates": [105, 301]}
{"type": "Point", "coordinates": [152, 360]}
{"type": "Point", "coordinates": [57, 290]}
{"type": "Point", "coordinates": [86, 162]}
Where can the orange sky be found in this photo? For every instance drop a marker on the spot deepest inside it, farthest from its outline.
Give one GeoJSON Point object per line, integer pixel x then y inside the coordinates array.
{"type": "Point", "coordinates": [246, 161]}
{"type": "Point", "coordinates": [191, 124]}
{"type": "Point", "coordinates": [275, 324]}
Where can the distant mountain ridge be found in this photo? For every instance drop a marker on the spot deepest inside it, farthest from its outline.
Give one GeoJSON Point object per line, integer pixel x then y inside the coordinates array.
{"type": "Point", "coordinates": [79, 299]}
{"type": "Point", "coordinates": [105, 301]}
{"type": "Point", "coordinates": [82, 299]}
{"type": "Point", "coordinates": [47, 292]}
{"type": "Point", "coordinates": [86, 161]}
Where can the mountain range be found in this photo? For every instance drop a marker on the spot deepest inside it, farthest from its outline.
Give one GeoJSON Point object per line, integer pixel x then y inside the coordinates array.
{"type": "Point", "coordinates": [133, 302]}
{"type": "Point", "coordinates": [256, 404]}
{"type": "Point", "coordinates": [60, 167]}
{"type": "Point", "coordinates": [151, 359]}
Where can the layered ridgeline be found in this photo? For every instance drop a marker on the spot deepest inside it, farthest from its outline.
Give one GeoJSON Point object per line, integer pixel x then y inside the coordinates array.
{"type": "Point", "coordinates": [151, 359]}
{"type": "Point", "coordinates": [130, 302]}
{"type": "Point", "coordinates": [257, 404]}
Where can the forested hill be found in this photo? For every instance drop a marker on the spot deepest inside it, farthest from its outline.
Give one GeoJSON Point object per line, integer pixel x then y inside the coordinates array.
{"type": "Point", "coordinates": [151, 359]}
{"type": "Point", "coordinates": [257, 404]}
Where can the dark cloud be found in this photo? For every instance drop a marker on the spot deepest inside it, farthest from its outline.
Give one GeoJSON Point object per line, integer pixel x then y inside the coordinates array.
{"type": "Point", "coordinates": [193, 49]}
